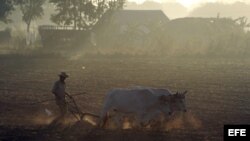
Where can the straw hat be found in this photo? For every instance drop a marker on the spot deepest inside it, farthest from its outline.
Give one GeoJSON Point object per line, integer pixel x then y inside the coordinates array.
{"type": "Point", "coordinates": [63, 74]}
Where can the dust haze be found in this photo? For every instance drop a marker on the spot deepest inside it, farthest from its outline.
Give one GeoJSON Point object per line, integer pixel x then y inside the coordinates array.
{"type": "Point", "coordinates": [104, 45]}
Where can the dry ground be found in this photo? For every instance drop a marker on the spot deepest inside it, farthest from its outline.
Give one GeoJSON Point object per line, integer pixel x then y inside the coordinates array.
{"type": "Point", "coordinates": [218, 94]}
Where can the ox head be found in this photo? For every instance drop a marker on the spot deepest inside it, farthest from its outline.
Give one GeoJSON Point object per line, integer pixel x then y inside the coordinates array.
{"type": "Point", "coordinates": [177, 102]}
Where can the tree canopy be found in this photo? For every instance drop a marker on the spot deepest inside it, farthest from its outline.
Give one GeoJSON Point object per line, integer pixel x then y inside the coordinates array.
{"type": "Point", "coordinates": [6, 6]}
{"type": "Point", "coordinates": [82, 13]}
{"type": "Point", "coordinates": [31, 10]}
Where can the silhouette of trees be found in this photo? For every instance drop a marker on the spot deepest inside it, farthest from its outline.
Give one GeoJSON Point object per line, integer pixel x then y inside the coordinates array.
{"type": "Point", "coordinates": [82, 13]}
{"type": "Point", "coordinates": [31, 10]}
{"type": "Point", "coordinates": [6, 6]}
{"type": "Point", "coordinates": [116, 4]}
{"type": "Point", "coordinates": [206, 36]}
{"type": "Point", "coordinates": [243, 22]}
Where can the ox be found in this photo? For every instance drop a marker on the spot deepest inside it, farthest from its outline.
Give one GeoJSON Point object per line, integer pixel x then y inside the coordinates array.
{"type": "Point", "coordinates": [176, 103]}
{"type": "Point", "coordinates": [142, 103]}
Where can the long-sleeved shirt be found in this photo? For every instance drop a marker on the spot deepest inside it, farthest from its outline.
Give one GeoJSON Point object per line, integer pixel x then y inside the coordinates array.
{"type": "Point", "coordinates": [59, 89]}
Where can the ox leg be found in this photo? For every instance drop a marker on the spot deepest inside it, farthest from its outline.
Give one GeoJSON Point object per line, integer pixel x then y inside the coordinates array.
{"type": "Point", "coordinates": [144, 121]}
{"type": "Point", "coordinates": [104, 115]}
{"type": "Point", "coordinates": [103, 120]}
{"type": "Point", "coordinates": [118, 121]}
{"type": "Point", "coordinates": [160, 122]}
{"type": "Point", "coordinates": [155, 124]}
{"type": "Point", "coordinates": [138, 122]}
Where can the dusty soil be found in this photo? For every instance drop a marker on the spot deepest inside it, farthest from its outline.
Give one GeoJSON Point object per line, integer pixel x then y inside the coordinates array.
{"type": "Point", "coordinates": [218, 94]}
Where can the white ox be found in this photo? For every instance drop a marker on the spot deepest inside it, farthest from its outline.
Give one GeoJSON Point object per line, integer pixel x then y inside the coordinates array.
{"type": "Point", "coordinates": [142, 103]}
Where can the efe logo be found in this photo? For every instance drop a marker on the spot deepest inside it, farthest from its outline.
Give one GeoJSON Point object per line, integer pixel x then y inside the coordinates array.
{"type": "Point", "coordinates": [236, 132]}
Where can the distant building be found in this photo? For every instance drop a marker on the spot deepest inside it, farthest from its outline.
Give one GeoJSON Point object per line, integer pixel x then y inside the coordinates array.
{"type": "Point", "coordinates": [118, 29]}
{"type": "Point", "coordinates": [130, 28]}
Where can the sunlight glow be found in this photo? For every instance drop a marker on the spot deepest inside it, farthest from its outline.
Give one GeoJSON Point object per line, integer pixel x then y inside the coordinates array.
{"type": "Point", "coordinates": [190, 4]}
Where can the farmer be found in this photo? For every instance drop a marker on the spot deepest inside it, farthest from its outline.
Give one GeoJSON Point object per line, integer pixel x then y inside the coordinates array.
{"type": "Point", "coordinates": [59, 91]}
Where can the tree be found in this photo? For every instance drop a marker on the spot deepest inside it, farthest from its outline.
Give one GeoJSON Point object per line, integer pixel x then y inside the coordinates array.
{"type": "Point", "coordinates": [31, 10]}
{"type": "Point", "coordinates": [242, 22]}
{"type": "Point", "coordinates": [82, 13]}
{"type": "Point", "coordinates": [116, 4]}
{"type": "Point", "coordinates": [79, 13]}
{"type": "Point", "coordinates": [6, 7]}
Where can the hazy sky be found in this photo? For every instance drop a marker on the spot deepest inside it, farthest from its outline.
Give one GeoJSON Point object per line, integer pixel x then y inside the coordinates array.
{"type": "Point", "coordinates": [190, 4]}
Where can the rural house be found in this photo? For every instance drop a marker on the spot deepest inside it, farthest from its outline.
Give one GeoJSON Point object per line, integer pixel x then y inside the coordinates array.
{"type": "Point", "coordinates": [133, 28]}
